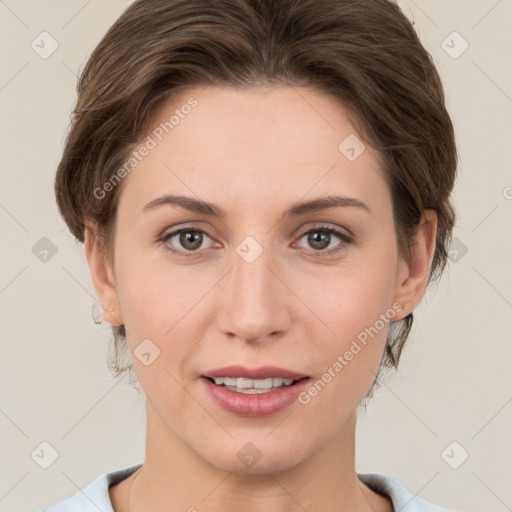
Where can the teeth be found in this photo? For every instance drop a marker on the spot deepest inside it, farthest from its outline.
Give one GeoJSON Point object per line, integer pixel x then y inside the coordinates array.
{"type": "Point", "coordinates": [262, 383]}
{"type": "Point", "coordinates": [244, 383]}
{"type": "Point", "coordinates": [252, 386]}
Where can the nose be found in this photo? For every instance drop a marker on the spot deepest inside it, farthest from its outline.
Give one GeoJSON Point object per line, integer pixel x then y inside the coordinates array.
{"type": "Point", "coordinates": [253, 301]}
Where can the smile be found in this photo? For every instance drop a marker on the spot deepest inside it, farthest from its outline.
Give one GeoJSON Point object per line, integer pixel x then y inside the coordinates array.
{"type": "Point", "coordinates": [252, 386]}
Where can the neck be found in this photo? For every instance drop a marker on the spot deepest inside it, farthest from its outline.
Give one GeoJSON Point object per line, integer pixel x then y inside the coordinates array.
{"type": "Point", "coordinates": [174, 478]}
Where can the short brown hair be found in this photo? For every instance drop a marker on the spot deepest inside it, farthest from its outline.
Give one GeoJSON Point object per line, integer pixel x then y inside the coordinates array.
{"type": "Point", "coordinates": [364, 53]}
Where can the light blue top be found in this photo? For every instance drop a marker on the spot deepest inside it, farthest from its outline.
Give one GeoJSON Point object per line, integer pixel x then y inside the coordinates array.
{"type": "Point", "coordinates": [95, 497]}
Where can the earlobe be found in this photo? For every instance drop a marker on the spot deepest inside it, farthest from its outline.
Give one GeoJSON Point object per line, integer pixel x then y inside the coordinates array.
{"type": "Point", "coordinates": [102, 276]}
{"type": "Point", "coordinates": [413, 276]}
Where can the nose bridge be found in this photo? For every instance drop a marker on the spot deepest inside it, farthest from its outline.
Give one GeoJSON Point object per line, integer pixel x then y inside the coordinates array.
{"type": "Point", "coordinates": [253, 304]}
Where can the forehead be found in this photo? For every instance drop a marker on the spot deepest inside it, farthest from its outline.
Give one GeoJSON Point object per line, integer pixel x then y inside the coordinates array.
{"type": "Point", "coordinates": [265, 143]}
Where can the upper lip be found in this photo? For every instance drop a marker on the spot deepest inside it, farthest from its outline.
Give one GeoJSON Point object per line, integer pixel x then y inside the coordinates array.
{"type": "Point", "coordinates": [262, 372]}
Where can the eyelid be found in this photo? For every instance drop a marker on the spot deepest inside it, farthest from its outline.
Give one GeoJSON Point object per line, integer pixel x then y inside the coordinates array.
{"type": "Point", "coordinates": [346, 232]}
{"type": "Point", "coordinates": [327, 227]}
{"type": "Point", "coordinates": [189, 226]}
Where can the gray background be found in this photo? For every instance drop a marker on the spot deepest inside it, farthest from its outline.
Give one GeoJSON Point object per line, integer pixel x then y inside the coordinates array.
{"type": "Point", "coordinates": [454, 383]}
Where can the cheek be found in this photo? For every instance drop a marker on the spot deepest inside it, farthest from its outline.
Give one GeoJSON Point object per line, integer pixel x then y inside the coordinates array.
{"type": "Point", "coordinates": [350, 299]}
{"type": "Point", "coordinates": [353, 311]}
{"type": "Point", "coordinates": [160, 301]}
{"type": "Point", "coordinates": [348, 360]}
{"type": "Point", "coordinates": [159, 305]}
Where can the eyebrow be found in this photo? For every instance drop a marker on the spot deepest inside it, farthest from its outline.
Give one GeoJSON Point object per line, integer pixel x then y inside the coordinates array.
{"type": "Point", "coordinates": [300, 208]}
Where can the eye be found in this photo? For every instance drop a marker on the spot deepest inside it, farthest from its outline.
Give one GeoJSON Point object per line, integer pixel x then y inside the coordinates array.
{"type": "Point", "coordinates": [191, 240]}
{"type": "Point", "coordinates": [322, 239]}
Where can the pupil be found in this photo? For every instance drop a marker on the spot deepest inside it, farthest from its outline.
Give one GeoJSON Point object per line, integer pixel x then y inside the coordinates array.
{"type": "Point", "coordinates": [193, 237]}
{"type": "Point", "coordinates": [319, 239]}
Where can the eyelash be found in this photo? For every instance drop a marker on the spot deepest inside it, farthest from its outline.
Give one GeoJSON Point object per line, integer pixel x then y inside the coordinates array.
{"type": "Point", "coordinates": [345, 240]}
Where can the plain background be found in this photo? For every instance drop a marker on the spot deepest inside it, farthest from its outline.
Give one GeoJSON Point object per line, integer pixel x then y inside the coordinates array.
{"type": "Point", "coordinates": [454, 383]}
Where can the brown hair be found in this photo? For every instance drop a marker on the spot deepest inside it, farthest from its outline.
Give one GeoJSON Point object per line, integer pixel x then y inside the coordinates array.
{"type": "Point", "coordinates": [364, 53]}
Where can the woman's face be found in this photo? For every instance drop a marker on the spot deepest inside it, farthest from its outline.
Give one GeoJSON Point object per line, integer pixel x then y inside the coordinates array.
{"type": "Point", "coordinates": [255, 280]}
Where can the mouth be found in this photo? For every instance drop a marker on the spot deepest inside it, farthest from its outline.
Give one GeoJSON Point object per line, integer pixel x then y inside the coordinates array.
{"type": "Point", "coordinates": [253, 386]}
{"type": "Point", "coordinates": [254, 392]}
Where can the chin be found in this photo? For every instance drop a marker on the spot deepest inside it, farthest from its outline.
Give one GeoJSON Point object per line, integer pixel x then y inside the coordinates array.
{"type": "Point", "coordinates": [245, 457]}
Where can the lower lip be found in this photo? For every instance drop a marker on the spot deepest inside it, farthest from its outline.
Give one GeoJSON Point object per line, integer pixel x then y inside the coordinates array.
{"type": "Point", "coordinates": [258, 405]}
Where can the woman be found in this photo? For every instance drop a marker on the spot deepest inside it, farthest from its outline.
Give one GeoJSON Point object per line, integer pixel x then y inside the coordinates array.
{"type": "Point", "coordinates": [263, 192]}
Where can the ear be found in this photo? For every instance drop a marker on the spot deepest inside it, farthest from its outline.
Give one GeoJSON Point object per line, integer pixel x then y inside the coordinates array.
{"type": "Point", "coordinates": [413, 277]}
{"type": "Point", "coordinates": [102, 276]}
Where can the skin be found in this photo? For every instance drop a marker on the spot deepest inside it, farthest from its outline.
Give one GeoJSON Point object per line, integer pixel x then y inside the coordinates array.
{"type": "Point", "coordinates": [254, 153]}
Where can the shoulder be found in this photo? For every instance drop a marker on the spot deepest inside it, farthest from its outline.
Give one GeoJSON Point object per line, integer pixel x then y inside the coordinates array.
{"type": "Point", "coordinates": [94, 496]}
{"type": "Point", "coordinates": [402, 499]}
